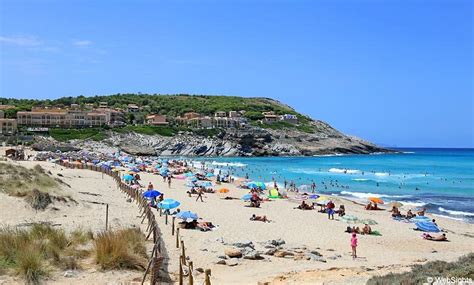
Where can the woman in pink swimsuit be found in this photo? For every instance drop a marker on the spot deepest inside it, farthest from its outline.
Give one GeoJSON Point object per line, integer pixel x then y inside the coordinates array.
{"type": "Point", "coordinates": [354, 245]}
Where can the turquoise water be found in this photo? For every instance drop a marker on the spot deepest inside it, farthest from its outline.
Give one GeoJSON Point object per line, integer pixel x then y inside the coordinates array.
{"type": "Point", "coordinates": [442, 180]}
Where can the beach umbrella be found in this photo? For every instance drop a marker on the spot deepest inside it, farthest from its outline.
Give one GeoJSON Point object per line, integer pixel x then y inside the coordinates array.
{"type": "Point", "coordinates": [376, 200]}
{"type": "Point", "coordinates": [210, 174]}
{"type": "Point", "coordinates": [246, 197]}
{"type": "Point", "coordinates": [127, 177]}
{"type": "Point", "coordinates": [261, 185]}
{"type": "Point", "coordinates": [420, 219]}
{"type": "Point", "coordinates": [168, 204]}
{"type": "Point", "coordinates": [205, 183]}
{"type": "Point", "coordinates": [223, 190]}
{"type": "Point", "coordinates": [350, 219]}
{"type": "Point", "coordinates": [151, 194]}
{"type": "Point", "coordinates": [395, 204]}
{"type": "Point", "coordinates": [251, 185]}
{"type": "Point", "coordinates": [194, 179]}
{"type": "Point", "coordinates": [180, 177]}
{"type": "Point", "coordinates": [274, 194]}
{"type": "Point", "coordinates": [187, 215]}
{"type": "Point", "coordinates": [427, 226]}
{"type": "Point", "coordinates": [368, 222]}
{"type": "Point", "coordinates": [188, 174]}
{"type": "Point", "coordinates": [314, 196]}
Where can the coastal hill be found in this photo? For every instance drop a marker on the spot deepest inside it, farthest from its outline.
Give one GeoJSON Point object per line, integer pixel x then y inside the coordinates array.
{"type": "Point", "coordinates": [196, 125]}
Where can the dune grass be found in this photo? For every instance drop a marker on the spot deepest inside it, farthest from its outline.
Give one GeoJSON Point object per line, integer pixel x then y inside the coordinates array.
{"type": "Point", "coordinates": [120, 249]}
{"type": "Point", "coordinates": [462, 268]}
{"type": "Point", "coordinates": [32, 253]}
{"type": "Point", "coordinates": [20, 181]}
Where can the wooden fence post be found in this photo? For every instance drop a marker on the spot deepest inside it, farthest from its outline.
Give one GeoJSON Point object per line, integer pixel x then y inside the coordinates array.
{"type": "Point", "coordinates": [191, 279]}
{"type": "Point", "coordinates": [180, 271]}
{"type": "Point", "coordinates": [183, 252]}
{"type": "Point", "coordinates": [207, 280]}
{"type": "Point", "coordinates": [172, 226]}
{"type": "Point", "coordinates": [106, 217]}
{"type": "Point", "coordinates": [177, 238]}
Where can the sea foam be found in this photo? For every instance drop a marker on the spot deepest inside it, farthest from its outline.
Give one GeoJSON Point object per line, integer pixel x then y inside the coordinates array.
{"type": "Point", "coordinates": [346, 171]}
{"type": "Point", "coordinates": [455, 213]}
{"type": "Point", "coordinates": [367, 195]}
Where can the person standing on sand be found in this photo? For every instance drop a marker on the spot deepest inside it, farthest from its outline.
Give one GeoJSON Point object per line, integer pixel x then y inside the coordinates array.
{"type": "Point", "coordinates": [200, 191]}
{"type": "Point", "coordinates": [330, 208]}
{"type": "Point", "coordinates": [313, 187]}
{"type": "Point", "coordinates": [169, 181]}
{"type": "Point", "coordinates": [354, 245]}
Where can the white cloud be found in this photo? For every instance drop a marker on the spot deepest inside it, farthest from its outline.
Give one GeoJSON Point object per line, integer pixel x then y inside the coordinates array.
{"type": "Point", "coordinates": [82, 43]}
{"type": "Point", "coordinates": [21, 41]}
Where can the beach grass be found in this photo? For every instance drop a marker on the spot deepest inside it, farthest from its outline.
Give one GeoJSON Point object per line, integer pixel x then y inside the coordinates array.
{"type": "Point", "coordinates": [34, 252]}
{"type": "Point", "coordinates": [462, 268]}
{"type": "Point", "coordinates": [19, 181]}
{"type": "Point", "coordinates": [120, 249]}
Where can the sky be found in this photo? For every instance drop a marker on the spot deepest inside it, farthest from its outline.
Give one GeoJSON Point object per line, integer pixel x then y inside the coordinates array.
{"type": "Point", "coordinates": [394, 72]}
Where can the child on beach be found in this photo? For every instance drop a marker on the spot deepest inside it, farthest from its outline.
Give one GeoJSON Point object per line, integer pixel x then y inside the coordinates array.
{"type": "Point", "coordinates": [354, 245]}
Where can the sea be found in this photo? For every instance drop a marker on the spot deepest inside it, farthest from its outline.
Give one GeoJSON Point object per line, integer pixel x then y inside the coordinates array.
{"type": "Point", "coordinates": [441, 180]}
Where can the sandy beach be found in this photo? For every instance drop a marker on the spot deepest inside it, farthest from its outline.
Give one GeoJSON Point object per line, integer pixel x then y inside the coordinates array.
{"type": "Point", "coordinates": [303, 231]}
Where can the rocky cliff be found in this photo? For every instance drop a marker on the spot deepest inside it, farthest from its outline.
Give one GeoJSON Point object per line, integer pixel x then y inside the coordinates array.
{"type": "Point", "coordinates": [252, 141]}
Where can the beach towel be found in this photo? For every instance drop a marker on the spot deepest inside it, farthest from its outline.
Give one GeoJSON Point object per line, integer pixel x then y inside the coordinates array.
{"type": "Point", "coordinates": [375, 233]}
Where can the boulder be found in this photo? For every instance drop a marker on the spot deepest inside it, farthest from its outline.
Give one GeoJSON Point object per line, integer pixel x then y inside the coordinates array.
{"type": "Point", "coordinates": [253, 255]}
{"type": "Point", "coordinates": [233, 252]}
{"type": "Point", "coordinates": [221, 262]}
{"type": "Point", "coordinates": [232, 263]}
{"type": "Point", "coordinates": [283, 253]}
{"type": "Point", "coordinates": [270, 251]}
{"type": "Point", "coordinates": [244, 244]}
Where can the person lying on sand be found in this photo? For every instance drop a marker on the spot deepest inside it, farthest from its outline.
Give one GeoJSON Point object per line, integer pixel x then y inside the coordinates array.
{"type": "Point", "coordinates": [352, 230]}
{"type": "Point", "coordinates": [205, 226]}
{"type": "Point", "coordinates": [305, 206]}
{"type": "Point", "coordinates": [259, 218]}
{"type": "Point", "coordinates": [438, 238]}
{"type": "Point", "coordinates": [366, 230]}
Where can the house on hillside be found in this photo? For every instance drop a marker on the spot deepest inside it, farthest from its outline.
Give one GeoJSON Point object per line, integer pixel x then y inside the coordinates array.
{"type": "Point", "coordinates": [289, 118]}
{"type": "Point", "coordinates": [270, 117]}
{"type": "Point", "coordinates": [132, 108]}
{"type": "Point", "coordinates": [156, 120]}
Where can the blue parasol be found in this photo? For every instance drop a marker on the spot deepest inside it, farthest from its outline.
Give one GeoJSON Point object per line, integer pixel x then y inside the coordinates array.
{"type": "Point", "coordinates": [151, 194]}
{"type": "Point", "coordinates": [168, 204]}
{"type": "Point", "coordinates": [187, 215]}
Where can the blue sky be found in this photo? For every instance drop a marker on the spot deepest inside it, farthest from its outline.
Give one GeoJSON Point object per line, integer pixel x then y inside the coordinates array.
{"type": "Point", "coordinates": [393, 72]}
